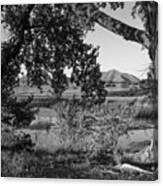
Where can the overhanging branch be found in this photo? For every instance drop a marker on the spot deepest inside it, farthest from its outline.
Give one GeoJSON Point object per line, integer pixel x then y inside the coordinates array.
{"type": "Point", "coordinates": [126, 31]}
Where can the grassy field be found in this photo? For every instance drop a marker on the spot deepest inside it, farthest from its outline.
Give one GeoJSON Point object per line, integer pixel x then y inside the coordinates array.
{"type": "Point", "coordinates": [76, 142]}
{"type": "Point", "coordinates": [47, 92]}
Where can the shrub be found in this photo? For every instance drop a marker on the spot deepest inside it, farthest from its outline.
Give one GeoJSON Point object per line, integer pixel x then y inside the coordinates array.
{"type": "Point", "coordinates": [92, 130]}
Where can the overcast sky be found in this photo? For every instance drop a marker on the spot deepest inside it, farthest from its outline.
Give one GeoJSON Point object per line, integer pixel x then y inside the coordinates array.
{"type": "Point", "coordinates": [116, 52]}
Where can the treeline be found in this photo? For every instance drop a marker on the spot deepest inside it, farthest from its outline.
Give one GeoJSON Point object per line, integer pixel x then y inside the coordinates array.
{"type": "Point", "coordinates": [137, 92]}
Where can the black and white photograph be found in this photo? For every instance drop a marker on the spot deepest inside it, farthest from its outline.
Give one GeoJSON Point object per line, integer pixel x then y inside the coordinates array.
{"type": "Point", "coordinates": [79, 90]}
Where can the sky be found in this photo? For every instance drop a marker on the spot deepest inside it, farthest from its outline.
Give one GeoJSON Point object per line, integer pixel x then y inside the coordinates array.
{"type": "Point", "coordinates": [115, 52]}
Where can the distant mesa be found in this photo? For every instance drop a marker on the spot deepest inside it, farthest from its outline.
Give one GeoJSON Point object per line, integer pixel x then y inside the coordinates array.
{"type": "Point", "coordinates": [116, 77]}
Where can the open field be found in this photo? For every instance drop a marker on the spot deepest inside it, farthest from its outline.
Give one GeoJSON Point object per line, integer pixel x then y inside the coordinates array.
{"type": "Point", "coordinates": [47, 92]}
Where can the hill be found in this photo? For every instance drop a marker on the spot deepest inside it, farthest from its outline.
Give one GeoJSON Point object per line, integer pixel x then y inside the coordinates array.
{"type": "Point", "coordinates": [114, 76]}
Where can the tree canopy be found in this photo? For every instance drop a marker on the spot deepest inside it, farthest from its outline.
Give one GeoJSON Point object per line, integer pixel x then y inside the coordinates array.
{"type": "Point", "coordinates": [47, 39]}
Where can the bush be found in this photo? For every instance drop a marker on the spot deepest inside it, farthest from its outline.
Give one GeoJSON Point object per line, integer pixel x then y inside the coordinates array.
{"type": "Point", "coordinates": [91, 131]}
{"type": "Point", "coordinates": [14, 149]}
{"type": "Point", "coordinates": [18, 113]}
{"type": "Point", "coordinates": [14, 146]}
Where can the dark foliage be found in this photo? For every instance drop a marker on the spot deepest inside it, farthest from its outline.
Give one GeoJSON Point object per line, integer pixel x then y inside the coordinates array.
{"type": "Point", "coordinates": [46, 48]}
{"type": "Point", "coordinates": [18, 114]}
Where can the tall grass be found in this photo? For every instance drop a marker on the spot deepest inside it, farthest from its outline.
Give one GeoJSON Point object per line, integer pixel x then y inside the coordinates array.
{"type": "Point", "coordinates": [146, 109]}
